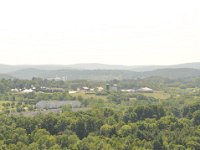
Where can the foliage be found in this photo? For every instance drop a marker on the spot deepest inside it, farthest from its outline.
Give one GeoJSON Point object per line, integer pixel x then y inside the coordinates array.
{"type": "Point", "coordinates": [117, 120]}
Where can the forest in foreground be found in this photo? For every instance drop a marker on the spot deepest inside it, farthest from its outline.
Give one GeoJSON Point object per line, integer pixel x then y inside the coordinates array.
{"type": "Point", "coordinates": [168, 118]}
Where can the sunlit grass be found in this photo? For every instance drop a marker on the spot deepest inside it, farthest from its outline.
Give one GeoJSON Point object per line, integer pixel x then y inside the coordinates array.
{"type": "Point", "coordinates": [88, 96]}
{"type": "Point", "coordinates": [158, 95]}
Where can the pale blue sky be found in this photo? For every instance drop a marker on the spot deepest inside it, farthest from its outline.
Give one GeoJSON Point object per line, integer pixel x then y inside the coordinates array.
{"type": "Point", "coordinates": [135, 32]}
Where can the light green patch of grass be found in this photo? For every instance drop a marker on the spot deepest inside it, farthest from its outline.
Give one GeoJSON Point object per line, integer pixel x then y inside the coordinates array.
{"type": "Point", "coordinates": [158, 95]}
{"type": "Point", "coordinates": [88, 96]}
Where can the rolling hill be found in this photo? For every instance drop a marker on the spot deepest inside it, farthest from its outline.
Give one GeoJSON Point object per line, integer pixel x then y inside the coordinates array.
{"type": "Point", "coordinates": [99, 71]}
{"type": "Point", "coordinates": [73, 74]}
{"type": "Point", "coordinates": [94, 66]}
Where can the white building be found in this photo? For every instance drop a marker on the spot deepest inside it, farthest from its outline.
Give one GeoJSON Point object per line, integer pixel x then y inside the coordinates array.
{"type": "Point", "coordinates": [27, 91]}
{"type": "Point", "coordinates": [145, 90]}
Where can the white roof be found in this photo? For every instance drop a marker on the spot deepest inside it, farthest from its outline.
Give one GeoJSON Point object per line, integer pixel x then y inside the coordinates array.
{"type": "Point", "coordinates": [145, 89]}
{"type": "Point", "coordinates": [85, 88]}
{"type": "Point", "coordinates": [27, 91]}
{"type": "Point", "coordinates": [14, 90]}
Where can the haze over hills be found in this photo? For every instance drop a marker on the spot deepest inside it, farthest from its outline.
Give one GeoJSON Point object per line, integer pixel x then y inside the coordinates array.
{"type": "Point", "coordinates": [99, 71]}
{"type": "Point", "coordinates": [95, 66]}
{"type": "Point", "coordinates": [74, 74]}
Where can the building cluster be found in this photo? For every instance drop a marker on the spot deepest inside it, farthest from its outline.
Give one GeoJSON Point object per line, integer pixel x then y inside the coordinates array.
{"type": "Point", "coordinates": [112, 88]}
{"type": "Point", "coordinates": [24, 90]}
{"type": "Point", "coordinates": [88, 90]}
{"type": "Point", "coordinates": [51, 90]}
{"type": "Point", "coordinates": [140, 90]}
{"type": "Point", "coordinates": [85, 89]}
{"type": "Point", "coordinates": [41, 89]}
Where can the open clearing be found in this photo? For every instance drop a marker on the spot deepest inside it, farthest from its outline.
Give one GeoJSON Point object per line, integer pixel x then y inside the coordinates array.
{"type": "Point", "coordinates": [158, 95]}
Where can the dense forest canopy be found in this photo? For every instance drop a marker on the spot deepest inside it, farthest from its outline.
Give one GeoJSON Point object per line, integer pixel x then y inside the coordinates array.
{"type": "Point", "coordinates": [168, 118]}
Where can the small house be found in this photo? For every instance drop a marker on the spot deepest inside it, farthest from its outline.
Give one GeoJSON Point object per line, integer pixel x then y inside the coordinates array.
{"type": "Point", "coordinates": [145, 90]}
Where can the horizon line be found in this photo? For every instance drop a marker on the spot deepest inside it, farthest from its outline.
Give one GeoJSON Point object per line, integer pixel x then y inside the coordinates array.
{"type": "Point", "coordinates": [97, 63]}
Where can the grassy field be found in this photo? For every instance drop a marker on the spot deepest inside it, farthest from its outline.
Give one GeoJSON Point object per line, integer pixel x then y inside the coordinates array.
{"type": "Point", "coordinates": [89, 96]}
{"type": "Point", "coordinates": [158, 95]}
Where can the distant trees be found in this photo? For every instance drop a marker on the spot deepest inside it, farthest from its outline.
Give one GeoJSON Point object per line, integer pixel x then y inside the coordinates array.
{"type": "Point", "coordinates": [107, 130]}
{"type": "Point", "coordinates": [196, 116]}
{"type": "Point", "coordinates": [143, 127]}
{"type": "Point", "coordinates": [190, 109]}
{"type": "Point", "coordinates": [143, 112]}
{"type": "Point", "coordinates": [115, 120]}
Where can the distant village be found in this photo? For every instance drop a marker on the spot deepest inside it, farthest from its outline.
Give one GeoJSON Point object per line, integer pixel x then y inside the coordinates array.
{"type": "Point", "coordinates": [55, 105]}
{"type": "Point", "coordinates": [84, 89]}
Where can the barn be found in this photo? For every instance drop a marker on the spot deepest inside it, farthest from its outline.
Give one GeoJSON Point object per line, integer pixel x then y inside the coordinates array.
{"type": "Point", "coordinates": [57, 104]}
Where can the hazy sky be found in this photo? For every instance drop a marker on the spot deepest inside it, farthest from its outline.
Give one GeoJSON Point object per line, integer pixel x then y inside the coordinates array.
{"type": "Point", "coordinates": [135, 32]}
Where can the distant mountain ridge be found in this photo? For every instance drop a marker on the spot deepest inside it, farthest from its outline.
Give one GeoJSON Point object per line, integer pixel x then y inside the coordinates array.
{"type": "Point", "coordinates": [99, 71]}
{"type": "Point", "coordinates": [74, 74]}
{"type": "Point", "coordinates": [4, 69]}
